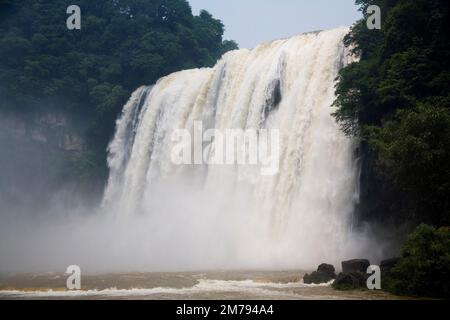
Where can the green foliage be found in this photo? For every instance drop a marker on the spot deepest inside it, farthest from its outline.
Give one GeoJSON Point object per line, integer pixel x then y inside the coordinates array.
{"type": "Point", "coordinates": [396, 99]}
{"type": "Point", "coordinates": [91, 72]}
{"type": "Point", "coordinates": [405, 62]}
{"type": "Point", "coordinates": [424, 269]}
{"type": "Point", "coordinates": [414, 147]}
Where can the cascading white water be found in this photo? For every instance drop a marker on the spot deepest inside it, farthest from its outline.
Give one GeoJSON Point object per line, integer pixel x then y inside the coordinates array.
{"type": "Point", "coordinates": [232, 216]}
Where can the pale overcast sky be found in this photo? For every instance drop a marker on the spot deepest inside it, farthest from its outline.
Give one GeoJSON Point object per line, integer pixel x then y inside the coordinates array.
{"type": "Point", "coordinates": [251, 22]}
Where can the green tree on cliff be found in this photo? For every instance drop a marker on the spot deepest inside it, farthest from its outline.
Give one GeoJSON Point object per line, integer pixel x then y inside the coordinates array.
{"type": "Point", "coordinates": [396, 98]}
{"type": "Point", "coordinates": [91, 72]}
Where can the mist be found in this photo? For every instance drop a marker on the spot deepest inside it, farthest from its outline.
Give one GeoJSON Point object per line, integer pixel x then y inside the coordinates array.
{"type": "Point", "coordinates": [157, 216]}
{"type": "Point", "coordinates": [180, 232]}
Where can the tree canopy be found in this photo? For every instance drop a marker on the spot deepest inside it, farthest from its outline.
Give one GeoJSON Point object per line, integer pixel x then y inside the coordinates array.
{"type": "Point", "coordinates": [396, 98]}
{"type": "Point", "coordinates": [91, 72]}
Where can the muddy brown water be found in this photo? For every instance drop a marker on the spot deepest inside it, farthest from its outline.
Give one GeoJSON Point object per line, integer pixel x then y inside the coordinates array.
{"type": "Point", "coordinates": [218, 285]}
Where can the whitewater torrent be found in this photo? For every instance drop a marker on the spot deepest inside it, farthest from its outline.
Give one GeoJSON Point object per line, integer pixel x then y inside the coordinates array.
{"type": "Point", "coordinates": [232, 216]}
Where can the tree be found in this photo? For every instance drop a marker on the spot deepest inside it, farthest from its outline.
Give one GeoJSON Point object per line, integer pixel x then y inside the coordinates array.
{"type": "Point", "coordinates": [414, 147]}
{"type": "Point", "coordinates": [90, 73]}
{"type": "Point", "coordinates": [396, 100]}
{"type": "Point", "coordinates": [424, 269]}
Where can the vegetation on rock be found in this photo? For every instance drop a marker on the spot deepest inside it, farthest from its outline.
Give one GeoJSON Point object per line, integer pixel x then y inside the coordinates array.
{"type": "Point", "coordinates": [424, 269]}
{"type": "Point", "coordinates": [90, 73]}
{"type": "Point", "coordinates": [396, 99]}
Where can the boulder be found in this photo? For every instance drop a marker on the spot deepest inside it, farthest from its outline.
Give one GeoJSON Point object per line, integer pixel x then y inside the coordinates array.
{"type": "Point", "coordinates": [355, 265]}
{"type": "Point", "coordinates": [316, 278]}
{"type": "Point", "coordinates": [353, 276]}
{"type": "Point", "coordinates": [327, 269]}
{"type": "Point", "coordinates": [325, 273]}
{"type": "Point", "coordinates": [386, 266]}
{"type": "Point", "coordinates": [351, 280]}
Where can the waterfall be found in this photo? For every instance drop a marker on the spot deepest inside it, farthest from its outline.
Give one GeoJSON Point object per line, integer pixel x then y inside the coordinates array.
{"type": "Point", "coordinates": [233, 216]}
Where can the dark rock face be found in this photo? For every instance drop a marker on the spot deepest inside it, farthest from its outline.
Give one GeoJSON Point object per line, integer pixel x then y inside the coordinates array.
{"type": "Point", "coordinates": [353, 275]}
{"type": "Point", "coordinates": [325, 273]}
{"type": "Point", "coordinates": [355, 265]}
{"type": "Point", "coordinates": [275, 97]}
{"type": "Point", "coordinates": [350, 280]}
{"type": "Point", "coordinates": [47, 130]}
{"type": "Point", "coordinates": [327, 269]}
{"type": "Point", "coordinates": [378, 193]}
{"type": "Point", "coordinates": [316, 278]}
{"type": "Point", "coordinates": [41, 157]}
{"type": "Point", "coordinates": [386, 266]}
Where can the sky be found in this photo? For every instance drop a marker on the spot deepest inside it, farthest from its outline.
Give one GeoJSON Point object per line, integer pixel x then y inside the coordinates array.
{"type": "Point", "coordinates": [251, 22]}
